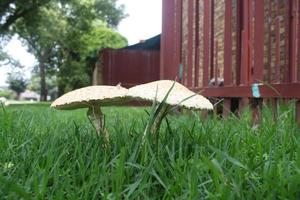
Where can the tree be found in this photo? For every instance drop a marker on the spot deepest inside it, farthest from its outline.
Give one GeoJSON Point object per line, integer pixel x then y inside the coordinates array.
{"type": "Point", "coordinates": [55, 34]}
{"type": "Point", "coordinates": [12, 10]}
{"type": "Point", "coordinates": [51, 82]}
{"type": "Point", "coordinates": [17, 83]}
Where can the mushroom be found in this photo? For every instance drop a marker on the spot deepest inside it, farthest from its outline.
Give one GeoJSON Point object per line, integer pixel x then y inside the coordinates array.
{"type": "Point", "coordinates": [169, 94]}
{"type": "Point", "coordinates": [92, 97]}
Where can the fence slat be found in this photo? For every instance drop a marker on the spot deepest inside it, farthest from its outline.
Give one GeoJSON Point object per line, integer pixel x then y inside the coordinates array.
{"type": "Point", "coordinates": [245, 44]}
{"type": "Point", "coordinates": [212, 38]}
{"type": "Point", "coordinates": [190, 43]}
{"type": "Point", "coordinates": [277, 49]}
{"type": "Point", "coordinates": [286, 77]}
{"type": "Point", "coordinates": [270, 21]}
{"type": "Point", "coordinates": [293, 46]}
{"type": "Point", "coordinates": [206, 42]}
{"type": "Point", "coordinates": [197, 46]}
{"type": "Point", "coordinates": [298, 38]}
{"type": "Point", "coordinates": [170, 39]}
{"type": "Point", "coordinates": [228, 43]}
{"type": "Point", "coordinates": [259, 41]}
{"type": "Point", "coordinates": [239, 21]}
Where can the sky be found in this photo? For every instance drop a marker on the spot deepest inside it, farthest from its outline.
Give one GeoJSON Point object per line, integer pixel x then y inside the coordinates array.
{"type": "Point", "coordinates": [143, 22]}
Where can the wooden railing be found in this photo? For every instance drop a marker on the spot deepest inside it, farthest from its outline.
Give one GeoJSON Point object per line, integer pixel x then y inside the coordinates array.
{"type": "Point", "coordinates": [252, 45]}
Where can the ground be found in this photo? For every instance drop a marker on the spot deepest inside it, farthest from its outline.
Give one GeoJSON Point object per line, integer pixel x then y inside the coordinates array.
{"type": "Point", "coordinates": [50, 154]}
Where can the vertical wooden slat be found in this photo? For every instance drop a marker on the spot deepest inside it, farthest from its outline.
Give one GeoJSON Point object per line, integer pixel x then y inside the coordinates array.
{"type": "Point", "coordinates": [190, 43]}
{"type": "Point", "coordinates": [228, 43]}
{"type": "Point", "coordinates": [216, 66]}
{"type": "Point", "coordinates": [206, 42]}
{"type": "Point", "coordinates": [258, 51]}
{"type": "Point", "coordinates": [212, 38]}
{"type": "Point", "coordinates": [170, 39]}
{"type": "Point", "coordinates": [270, 22]}
{"type": "Point", "coordinates": [277, 49]}
{"type": "Point", "coordinates": [251, 30]}
{"type": "Point", "coordinates": [197, 47]}
{"type": "Point", "coordinates": [259, 41]}
{"type": "Point", "coordinates": [252, 42]}
{"type": "Point", "coordinates": [286, 77]}
{"type": "Point", "coordinates": [293, 47]}
{"type": "Point", "coordinates": [179, 34]}
{"type": "Point", "coordinates": [256, 107]}
{"type": "Point", "coordinates": [298, 56]}
{"type": "Point", "coordinates": [239, 27]}
{"type": "Point", "coordinates": [245, 44]}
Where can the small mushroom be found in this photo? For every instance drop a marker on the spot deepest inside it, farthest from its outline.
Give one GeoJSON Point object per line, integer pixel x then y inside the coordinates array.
{"type": "Point", "coordinates": [92, 97]}
{"type": "Point", "coordinates": [169, 94]}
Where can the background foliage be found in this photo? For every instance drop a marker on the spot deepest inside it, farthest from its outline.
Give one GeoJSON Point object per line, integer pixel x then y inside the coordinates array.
{"type": "Point", "coordinates": [64, 36]}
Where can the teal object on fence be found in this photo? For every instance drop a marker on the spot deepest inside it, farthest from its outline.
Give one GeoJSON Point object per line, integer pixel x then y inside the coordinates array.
{"type": "Point", "coordinates": [255, 90]}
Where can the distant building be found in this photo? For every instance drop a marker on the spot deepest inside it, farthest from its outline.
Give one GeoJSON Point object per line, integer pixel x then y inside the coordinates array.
{"type": "Point", "coordinates": [29, 95]}
{"type": "Point", "coordinates": [3, 88]}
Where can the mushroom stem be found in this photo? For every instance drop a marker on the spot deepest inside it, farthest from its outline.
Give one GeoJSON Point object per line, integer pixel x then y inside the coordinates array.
{"type": "Point", "coordinates": [96, 117]}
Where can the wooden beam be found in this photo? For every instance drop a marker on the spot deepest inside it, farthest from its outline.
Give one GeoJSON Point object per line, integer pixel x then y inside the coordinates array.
{"type": "Point", "coordinates": [285, 90]}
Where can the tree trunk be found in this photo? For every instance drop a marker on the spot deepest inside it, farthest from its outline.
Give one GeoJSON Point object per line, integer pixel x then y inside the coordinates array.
{"type": "Point", "coordinates": [18, 96]}
{"type": "Point", "coordinates": [44, 92]}
{"type": "Point", "coordinates": [61, 89]}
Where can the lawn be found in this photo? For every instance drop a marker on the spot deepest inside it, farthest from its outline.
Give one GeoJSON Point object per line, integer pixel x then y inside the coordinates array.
{"type": "Point", "coordinates": [50, 154]}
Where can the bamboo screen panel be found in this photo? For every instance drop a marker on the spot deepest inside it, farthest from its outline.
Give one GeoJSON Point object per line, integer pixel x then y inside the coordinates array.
{"type": "Point", "coordinates": [218, 61]}
{"type": "Point", "coordinates": [276, 39]}
{"type": "Point", "coordinates": [184, 39]}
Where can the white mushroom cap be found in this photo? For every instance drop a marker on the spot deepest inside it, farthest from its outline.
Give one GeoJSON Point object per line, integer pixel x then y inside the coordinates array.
{"type": "Point", "coordinates": [179, 95]}
{"type": "Point", "coordinates": [93, 95]}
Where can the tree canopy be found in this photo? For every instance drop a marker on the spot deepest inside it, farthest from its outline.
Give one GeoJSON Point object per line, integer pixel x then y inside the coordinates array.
{"type": "Point", "coordinates": [64, 36]}
{"type": "Point", "coordinates": [17, 83]}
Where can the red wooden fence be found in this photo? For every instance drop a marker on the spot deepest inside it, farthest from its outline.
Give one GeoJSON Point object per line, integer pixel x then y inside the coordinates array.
{"type": "Point", "coordinates": [130, 67]}
{"type": "Point", "coordinates": [253, 45]}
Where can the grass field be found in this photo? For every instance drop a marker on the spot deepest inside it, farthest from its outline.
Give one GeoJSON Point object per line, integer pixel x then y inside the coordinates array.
{"type": "Point", "coordinates": [49, 154]}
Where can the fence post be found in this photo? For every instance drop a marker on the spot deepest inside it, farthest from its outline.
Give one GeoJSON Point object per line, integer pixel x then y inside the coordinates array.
{"type": "Point", "coordinates": [243, 103]}
{"type": "Point", "coordinates": [274, 103]}
{"type": "Point", "coordinates": [227, 55]}
{"type": "Point", "coordinates": [256, 107]}
{"type": "Point", "coordinates": [226, 107]}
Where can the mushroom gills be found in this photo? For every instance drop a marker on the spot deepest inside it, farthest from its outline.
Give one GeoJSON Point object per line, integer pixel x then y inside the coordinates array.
{"type": "Point", "coordinates": [97, 119]}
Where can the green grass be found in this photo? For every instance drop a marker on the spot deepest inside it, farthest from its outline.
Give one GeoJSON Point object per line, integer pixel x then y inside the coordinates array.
{"type": "Point", "coordinates": [49, 154]}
